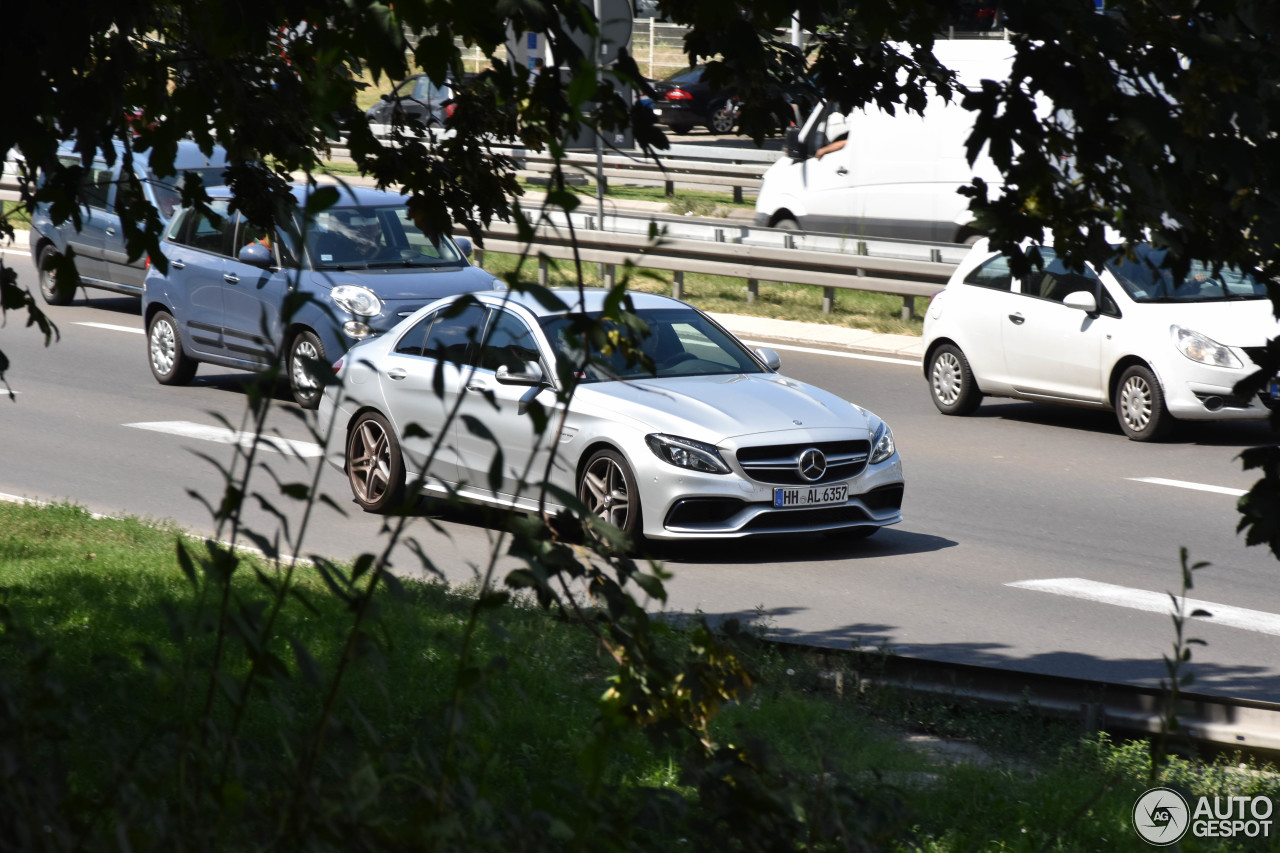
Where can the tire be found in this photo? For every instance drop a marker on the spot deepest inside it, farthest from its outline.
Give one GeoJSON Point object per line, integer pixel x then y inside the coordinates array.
{"type": "Point", "coordinates": [1140, 406]}
{"type": "Point", "coordinates": [609, 490]}
{"type": "Point", "coordinates": [306, 390]}
{"type": "Point", "coordinates": [724, 118]}
{"type": "Point", "coordinates": [375, 465]}
{"type": "Point", "coordinates": [951, 383]}
{"type": "Point", "coordinates": [786, 223]}
{"type": "Point", "coordinates": [53, 292]}
{"type": "Point", "coordinates": [169, 364]}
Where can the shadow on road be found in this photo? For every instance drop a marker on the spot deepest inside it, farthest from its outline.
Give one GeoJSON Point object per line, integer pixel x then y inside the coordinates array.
{"type": "Point", "coordinates": [1240, 434]}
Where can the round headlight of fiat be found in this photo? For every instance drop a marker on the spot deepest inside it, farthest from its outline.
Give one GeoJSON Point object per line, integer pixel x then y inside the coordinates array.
{"type": "Point", "coordinates": [360, 301]}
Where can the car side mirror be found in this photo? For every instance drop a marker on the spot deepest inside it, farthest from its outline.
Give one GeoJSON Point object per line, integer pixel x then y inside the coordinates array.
{"type": "Point", "coordinates": [1081, 299]}
{"type": "Point", "coordinates": [464, 244]}
{"type": "Point", "coordinates": [793, 146]}
{"type": "Point", "coordinates": [769, 357]}
{"type": "Point", "coordinates": [256, 255]}
{"type": "Point", "coordinates": [530, 375]}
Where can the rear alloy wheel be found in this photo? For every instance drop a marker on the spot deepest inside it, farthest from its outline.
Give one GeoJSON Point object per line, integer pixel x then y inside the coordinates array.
{"type": "Point", "coordinates": [1140, 405]}
{"type": "Point", "coordinates": [375, 466]}
{"type": "Point", "coordinates": [169, 364]}
{"type": "Point", "coordinates": [608, 488]}
{"type": "Point", "coordinates": [306, 347]}
{"type": "Point", "coordinates": [951, 382]}
{"type": "Point", "coordinates": [53, 292]}
{"type": "Point", "coordinates": [724, 118]}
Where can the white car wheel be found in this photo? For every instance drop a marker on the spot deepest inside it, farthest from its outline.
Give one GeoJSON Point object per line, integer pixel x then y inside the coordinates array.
{"type": "Point", "coordinates": [1140, 405]}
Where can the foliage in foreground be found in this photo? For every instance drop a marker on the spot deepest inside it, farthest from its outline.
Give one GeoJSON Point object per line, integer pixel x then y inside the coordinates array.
{"type": "Point", "coordinates": [105, 740]}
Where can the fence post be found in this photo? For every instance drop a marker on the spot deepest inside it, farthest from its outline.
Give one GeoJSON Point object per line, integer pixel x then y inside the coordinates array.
{"type": "Point", "coordinates": [478, 254]}
{"type": "Point", "coordinates": [908, 307]}
{"type": "Point", "coordinates": [737, 195]}
{"type": "Point", "coordinates": [669, 188]}
{"type": "Point", "coordinates": [828, 299]}
{"type": "Point", "coordinates": [543, 270]}
{"type": "Point", "coordinates": [677, 284]}
{"type": "Point", "coordinates": [610, 275]}
{"type": "Point", "coordinates": [753, 290]}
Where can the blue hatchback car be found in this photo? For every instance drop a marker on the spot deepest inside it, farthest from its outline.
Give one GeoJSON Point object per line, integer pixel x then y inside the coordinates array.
{"type": "Point", "coordinates": [363, 266]}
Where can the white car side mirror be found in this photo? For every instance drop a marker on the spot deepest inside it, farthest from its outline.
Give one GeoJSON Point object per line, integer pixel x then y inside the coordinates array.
{"type": "Point", "coordinates": [1083, 300]}
{"type": "Point", "coordinates": [769, 357]}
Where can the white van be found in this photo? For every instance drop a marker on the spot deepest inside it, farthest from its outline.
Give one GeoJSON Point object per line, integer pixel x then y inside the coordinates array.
{"type": "Point", "coordinates": [896, 175]}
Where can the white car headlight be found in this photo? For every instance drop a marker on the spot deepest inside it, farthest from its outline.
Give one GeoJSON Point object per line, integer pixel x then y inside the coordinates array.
{"type": "Point", "coordinates": [1202, 348]}
{"type": "Point", "coordinates": [360, 301]}
{"type": "Point", "coordinates": [882, 446]}
{"type": "Point", "coordinates": [687, 453]}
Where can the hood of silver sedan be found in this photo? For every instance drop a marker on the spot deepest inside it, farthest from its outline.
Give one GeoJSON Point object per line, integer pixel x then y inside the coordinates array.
{"type": "Point", "coordinates": [715, 408]}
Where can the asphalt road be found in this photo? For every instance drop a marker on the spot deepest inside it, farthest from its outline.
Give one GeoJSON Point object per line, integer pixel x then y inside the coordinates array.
{"type": "Point", "coordinates": [1017, 493]}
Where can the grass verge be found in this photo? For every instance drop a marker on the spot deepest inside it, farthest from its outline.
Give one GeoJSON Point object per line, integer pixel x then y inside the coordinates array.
{"type": "Point", "coordinates": [91, 673]}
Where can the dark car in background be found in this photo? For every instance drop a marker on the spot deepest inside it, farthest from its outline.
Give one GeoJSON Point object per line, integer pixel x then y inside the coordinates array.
{"type": "Point", "coordinates": [362, 267]}
{"type": "Point", "coordinates": [101, 257]}
{"type": "Point", "coordinates": [685, 99]}
{"type": "Point", "coordinates": [415, 98]}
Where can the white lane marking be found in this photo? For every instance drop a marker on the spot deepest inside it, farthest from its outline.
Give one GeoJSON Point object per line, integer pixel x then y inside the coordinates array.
{"type": "Point", "coordinates": [221, 435]}
{"type": "Point", "coordinates": [112, 328]}
{"type": "Point", "coordinates": [837, 353]}
{"type": "Point", "coordinates": [1155, 602]}
{"type": "Point", "coordinates": [1183, 484]}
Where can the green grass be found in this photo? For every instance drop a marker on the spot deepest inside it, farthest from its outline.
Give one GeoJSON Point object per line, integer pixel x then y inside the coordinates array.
{"type": "Point", "coordinates": [106, 598]}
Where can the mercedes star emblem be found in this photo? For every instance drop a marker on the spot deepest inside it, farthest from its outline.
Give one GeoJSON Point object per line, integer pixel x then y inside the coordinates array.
{"type": "Point", "coordinates": [812, 464]}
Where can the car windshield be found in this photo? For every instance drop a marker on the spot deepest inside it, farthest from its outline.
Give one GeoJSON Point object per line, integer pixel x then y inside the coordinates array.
{"type": "Point", "coordinates": [686, 76]}
{"type": "Point", "coordinates": [1145, 279]}
{"type": "Point", "coordinates": [346, 238]}
{"type": "Point", "coordinates": [168, 192]}
{"type": "Point", "coordinates": [680, 342]}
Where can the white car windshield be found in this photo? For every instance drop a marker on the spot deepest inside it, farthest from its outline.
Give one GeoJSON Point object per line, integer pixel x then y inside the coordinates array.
{"type": "Point", "coordinates": [680, 342]}
{"type": "Point", "coordinates": [1145, 278]}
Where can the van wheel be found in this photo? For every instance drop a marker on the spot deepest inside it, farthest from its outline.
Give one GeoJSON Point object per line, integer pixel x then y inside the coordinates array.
{"type": "Point", "coordinates": [1140, 405]}
{"type": "Point", "coordinates": [951, 383]}
{"type": "Point", "coordinates": [307, 390]}
{"type": "Point", "coordinates": [786, 223]}
{"type": "Point", "coordinates": [169, 364]}
{"type": "Point", "coordinates": [53, 291]}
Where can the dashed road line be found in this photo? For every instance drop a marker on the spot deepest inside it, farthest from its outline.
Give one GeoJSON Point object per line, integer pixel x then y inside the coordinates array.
{"type": "Point", "coordinates": [1155, 602]}
{"type": "Point", "coordinates": [1183, 484]}
{"type": "Point", "coordinates": [221, 435]}
{"type": "Point", "coordinates": [112, 328]}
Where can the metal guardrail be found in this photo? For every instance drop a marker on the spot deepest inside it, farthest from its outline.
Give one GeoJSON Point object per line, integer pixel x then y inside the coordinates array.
{"type": "Point", "coordinates": [829, 270]}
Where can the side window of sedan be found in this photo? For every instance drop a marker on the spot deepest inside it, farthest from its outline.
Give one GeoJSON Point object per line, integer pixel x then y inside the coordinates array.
{"type": "Point", "coordinates": [508, 341]}
{"type": "Point", "coordinates": [453, 339]}
{"type": "Point", "coordinates": [414, 341]}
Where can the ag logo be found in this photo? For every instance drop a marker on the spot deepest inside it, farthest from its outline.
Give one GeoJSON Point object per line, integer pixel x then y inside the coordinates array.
{"type": "Point", "coordinates": [1161, 816]}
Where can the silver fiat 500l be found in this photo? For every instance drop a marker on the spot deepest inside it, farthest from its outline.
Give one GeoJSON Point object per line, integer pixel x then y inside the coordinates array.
{"type": "Point", "coordinates": [702, 439]}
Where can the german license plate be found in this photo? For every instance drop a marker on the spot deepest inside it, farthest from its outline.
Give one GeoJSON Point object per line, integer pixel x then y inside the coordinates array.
{"type": "Point", "coordinates": [1273, 388]}
{"type": "Point", "coordinates": [811, 495]}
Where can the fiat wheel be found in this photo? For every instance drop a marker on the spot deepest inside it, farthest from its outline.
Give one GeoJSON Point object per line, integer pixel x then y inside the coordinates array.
{"type": "Point", "coordinates": [1140, 406]}
{"type": "Point", "coordinates": [169, 364]}
{"type": "Point", "coordinates": [305, 351]}
{"type": "Point", "coordinates": [53, 291]}
{"type": "Point", "coordinates": [375, 466]}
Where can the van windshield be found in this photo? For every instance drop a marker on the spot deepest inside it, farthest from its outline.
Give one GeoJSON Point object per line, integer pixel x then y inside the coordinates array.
{"type": "Point", "coordinates": [1144, 277]}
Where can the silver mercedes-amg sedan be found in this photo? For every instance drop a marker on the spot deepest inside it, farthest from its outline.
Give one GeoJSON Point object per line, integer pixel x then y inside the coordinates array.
{"type": "Point", "coordinates": [700, 437]}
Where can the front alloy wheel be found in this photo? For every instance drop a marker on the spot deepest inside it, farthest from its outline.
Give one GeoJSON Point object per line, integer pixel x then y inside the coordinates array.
{"type": "Point", "coordinates": [305, 354]}
{"type": "Point", "coordinates": [608, 489]}
{"type": "Point", "coordinates": [169, 364]}
{"type": "Point", "coordinates": [375, 467]}
{"type": "Point", "coordinates": [951, 382]}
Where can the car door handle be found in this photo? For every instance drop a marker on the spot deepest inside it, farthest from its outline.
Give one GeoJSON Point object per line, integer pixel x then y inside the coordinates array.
{"type": "Point", "coordinates": [1017, 319]}
{"type": "Point", "coordinates": [477, 386]}
{"type": "Point", "coordinates": [396, 373]}
{"type": "Point", "coordinates": [231, 278]}
{"type": "Point", "coordinates": [111, 232]}
{"type": "Point", "coordinates": [178, 265]}
{"type": "Point", "coordinates": [842, 171]}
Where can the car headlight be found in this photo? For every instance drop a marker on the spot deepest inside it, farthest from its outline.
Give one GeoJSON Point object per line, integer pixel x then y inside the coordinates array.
{"type": "Point", "coordinates": [687, 453]}
{"type": "Point", "coordinates": [359, 301]}
{"type": "Point", "coordinates": [1202, 348]}
{"type": "Point", "coordinates": [499, 284]}
{"type": "Point", "coordinates": [882, 446]}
